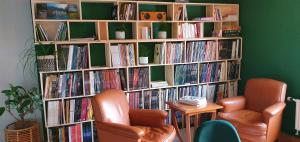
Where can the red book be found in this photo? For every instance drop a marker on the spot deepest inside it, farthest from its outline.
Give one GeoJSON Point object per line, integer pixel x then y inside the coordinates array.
{"type": "Point", "coordinates": [83, 109]}
{"type": "Point", "coordinates": [135, 78]}
{"type": "Point", "coordinates": [78, 133]}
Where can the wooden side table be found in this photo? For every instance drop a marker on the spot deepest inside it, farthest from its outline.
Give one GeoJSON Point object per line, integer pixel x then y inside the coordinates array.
{"type": "Point", "coordinates": [187, 111]}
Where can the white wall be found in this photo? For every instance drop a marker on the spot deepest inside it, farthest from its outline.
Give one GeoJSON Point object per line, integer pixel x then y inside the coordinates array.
{"type": "Point", "coordinates": [15, 30]}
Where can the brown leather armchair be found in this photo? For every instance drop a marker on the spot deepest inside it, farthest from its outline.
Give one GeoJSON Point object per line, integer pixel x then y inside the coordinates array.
{"type": "Point", "coordinates": [257, 115]}
{"type": "Point", "coordinates": [115, 122]}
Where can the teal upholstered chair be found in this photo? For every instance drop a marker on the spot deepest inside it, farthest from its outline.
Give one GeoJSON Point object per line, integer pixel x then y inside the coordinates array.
{"type": "Point", "coordinates": [216, 131]}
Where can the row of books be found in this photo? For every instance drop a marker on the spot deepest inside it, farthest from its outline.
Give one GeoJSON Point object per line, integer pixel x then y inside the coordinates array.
{"type": "Point", "coordinates": [212, 72]}
{"type": "Point", "coordinates": [61, 33]}
{"type": "Point", "coordinates": [229, 49]}
{"type": "Point", "coordinates": [138, 78]}
{"type": "Point", "coordinates": [54, 113]}
{"type": "Point", "coordinates": [168, 95]}
{"type": "Point", "coordinates": [73, 57]}
{"type": "Point", "coordinates": [63, 85]}
{"type": "Point", "coordinates": [186, 74]}
{"type": "Point", "coordinates": [73, 133]}
{"type": "Point", "coordinates": [181, 14]}
{"type": "Point", "coordinates": [122, 55]}
{"type": "Point", "coordinates": [135, 100]}
{"type": "Point", "coordinates": [233, 70]}
{"type": "Point", "coordinates": [127, 11]}
{"type": "Point", "coordinates": [217, 14]}
{"type": "Point", "coordinates": [199, 51]}
{"type": "Point", "coordinates": [151, 99]}
{"type": "Point", "coordinates": [98, 81]}
{"type": "Point", "coordinates": [174, 53]}
{"type": "Point", "coordinates": [190, 30]}
{"type": "Point", "coordinates": [77, 110]}
{"type": "Point", "coordinates": [56, 11]}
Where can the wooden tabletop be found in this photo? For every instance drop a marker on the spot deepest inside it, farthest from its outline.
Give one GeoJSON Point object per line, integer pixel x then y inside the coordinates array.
{"type": "Point", "coordinates": [188, 109]}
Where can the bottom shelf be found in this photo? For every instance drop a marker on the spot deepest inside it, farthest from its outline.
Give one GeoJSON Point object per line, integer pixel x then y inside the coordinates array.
{"type": "Point", "coordinates": [82, 132]}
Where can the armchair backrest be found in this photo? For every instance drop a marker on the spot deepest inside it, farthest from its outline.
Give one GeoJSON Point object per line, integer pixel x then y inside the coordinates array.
{"type": "Point", "coordinates": [261, 93]}
{"type": "Point", "coordinates": [111, 106]}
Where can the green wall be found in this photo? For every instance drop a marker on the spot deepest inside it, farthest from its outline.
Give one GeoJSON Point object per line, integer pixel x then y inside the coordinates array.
{"type": "Point", "coordinates": [271, 33]}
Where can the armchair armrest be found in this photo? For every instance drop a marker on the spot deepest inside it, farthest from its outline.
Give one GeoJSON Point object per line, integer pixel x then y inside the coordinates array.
{"type": "Point", "coordinates": [233, 104]}
{"type": "Point", "coordinates": [143, 117]}
{"type": "Point", "coordinates": [121, 130]}
{"type": "Point", "coordinates": [273, 110]}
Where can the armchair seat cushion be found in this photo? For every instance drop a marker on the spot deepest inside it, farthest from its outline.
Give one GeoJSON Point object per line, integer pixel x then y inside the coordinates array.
{"type": "Point", "coordinates": [246, 121]}
{"type": "Point", "coordinates": [166, 133]}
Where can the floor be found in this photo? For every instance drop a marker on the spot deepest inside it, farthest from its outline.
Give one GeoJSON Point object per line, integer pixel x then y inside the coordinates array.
{"type": "Point", "coordinates": [282, 138]}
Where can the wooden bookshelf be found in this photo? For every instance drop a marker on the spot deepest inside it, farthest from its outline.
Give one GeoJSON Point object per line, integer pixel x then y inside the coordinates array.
{"type": "Point", "coordinates": [91, 31]}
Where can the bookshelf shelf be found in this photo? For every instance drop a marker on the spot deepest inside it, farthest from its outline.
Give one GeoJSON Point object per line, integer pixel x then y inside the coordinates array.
{"type": "Point", "coordinates": [196, 57]}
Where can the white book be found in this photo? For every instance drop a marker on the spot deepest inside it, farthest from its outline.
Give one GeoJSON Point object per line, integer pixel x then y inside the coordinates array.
{"type": "Point", "coordinates": [115, 56]}
{"type": "Point", "coordinates": [53, 113]}
{"type": "Point", "coordinates": [60, 85]}
{"type": "Point", "coordinates": [237, 49]}
{"type": "Point", "coordinates": [233, 50]}
{"type": "Point", "coordinates": [70, 57]}
{"type": "Point", "coordinates": [92, 82]}
{"type": "Point", "coordinates": [72, 110]}
{"type": "Point", "coordinates": [200, 91]}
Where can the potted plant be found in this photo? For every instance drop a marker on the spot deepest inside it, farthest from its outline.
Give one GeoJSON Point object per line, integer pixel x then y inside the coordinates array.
{"type": "Point", "coordinates": [163, 28]}
{"type": "Point", "coordinates": [23, 102]}
{"type": "Point", "coordinates": [120, 32]}
{"type": "Point", "coordinates": [143, 55]}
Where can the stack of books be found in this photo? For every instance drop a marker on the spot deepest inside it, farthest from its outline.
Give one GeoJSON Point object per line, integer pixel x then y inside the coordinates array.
{"type": "Point", "coordinates": [168, 95]}
{"type": "Point", "coordinates": [190, 30]}
{"type": "Point", "coordinates": [54, 113]}
{"type": "Point", "coordinates": [106, 79]}
{"type": "Point", "coordinates": [229, 49]}
{"type": "Point", "coordinates": [77, 110]}
{"type": "Point", "coordinates": [138, 78]}
{"type": "Point", "coordinates": [41, 34]}
{"type": "Point", "coordinates": [174, 53]}
{"type": "Point", "coordinates": [233, 69]}
{"type": "Point", "coordinates": [61, 33]}
{"type": "Point", "coordinates": [127, 11]}
{"type": "Point", "coordinates": [188, 91]}
{"type": "Point", "coordinates": [159, 84]}
{"type": "Point", "coordinates": [186, 74]}
{"type": "Point", "coordinates": [64, 85]}
{"type": "Point", "coordinates": [200, 51]}
{"type": "Point", "coordinates": [122, 55]}
{"type": "Point", "coordinates": [73, 57]}
{"type": "Point", "coordinates": [212, 72]}
{"type": "Point", "coordinates": [66, 134]}
{"type": "Point", "coordinates": [151, 99]}
{"type": "Point", "coordinates": [135, 100]}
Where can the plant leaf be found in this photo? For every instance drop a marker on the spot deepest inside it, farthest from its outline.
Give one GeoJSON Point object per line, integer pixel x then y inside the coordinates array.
{"type": "Point", "coordinates": [2, 109]}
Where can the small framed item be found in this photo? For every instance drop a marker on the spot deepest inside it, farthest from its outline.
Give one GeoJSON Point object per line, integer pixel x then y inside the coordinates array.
{"type": "Point", "coordinates": [181, 0]}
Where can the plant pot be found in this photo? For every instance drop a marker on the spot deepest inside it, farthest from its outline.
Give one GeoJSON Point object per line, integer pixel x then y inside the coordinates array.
{"type": "Point", "coordinates": [46, 63]}
{"type": "Point", "coordinates": [162, 34]}
{"type": "Point", "coordinates": [30, 132]}
{"type": "Point", "coordinates": [120, 34]}
{"type": "Point", "coordinates": [143, 60]}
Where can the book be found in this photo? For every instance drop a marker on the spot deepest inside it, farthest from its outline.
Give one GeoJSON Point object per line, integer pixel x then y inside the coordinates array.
{"type": "Point", "coordinates": [233, 69]}
{"type": "Point", "coordinates": [159, 53]}
{"type": "Point", "coordinates": [174, 53]}
{"type": "Point", "coordinates": [135, 100]}
{"type": "Point", "coordinates": [71, 57]}
{"type": "Point", "coordinates": [127, 11]}
{"type": "Point", "coordinates": [168, 95]}
{"type": "Point", "coordinates": [54, 113]}
{"type": "Point", "coordinates": [122, 55]}
{"type": "Point", "coordinates": [212, 72]}
{"type": "Point", "coordinates": [201, 51]}
{"type": "Point", "coordinates": [77, 110]}
{"type": "Point", "coordinates": [107, 79]}
{"type": "Point", "coordinates": [190, 30]}
{"type": "Point", "coordinates": [151, 99]}
{"type": "Point", "coordinates": [186, 74]}
{"type": "Point", "coordinates": [159, 84]}
{"type": "Point", "coordinates": [138, 78]}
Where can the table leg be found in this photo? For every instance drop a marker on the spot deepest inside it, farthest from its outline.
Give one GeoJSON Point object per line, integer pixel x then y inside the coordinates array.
{"type": "Point", "coordinates": [175, 124]}
{"type": "Point", "coordinates": [214, 115]}
{"type": "Point", "coordinates": [196, 121]}
{"type": "Point", "coordinates": [188, 128]}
